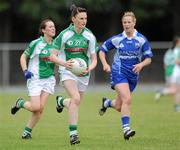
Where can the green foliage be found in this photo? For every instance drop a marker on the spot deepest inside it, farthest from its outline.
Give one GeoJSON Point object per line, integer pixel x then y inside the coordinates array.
{"type": "Point", "coordinates": [147, 9]}
{"type": "Point", "coordinates": [156, 125]}
{"type": "Point", "coordinates": [4, 5]}
{"type": "Point", "coordinates": [42, 9]}
{"type": "Point", "coordinates": [38, 9]}
{"type": "Point", "coordinates": [97, 6]}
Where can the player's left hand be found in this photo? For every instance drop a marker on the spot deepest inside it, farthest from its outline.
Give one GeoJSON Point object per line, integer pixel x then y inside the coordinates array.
{"type": "Point", "coordinates": [137, 68]}
{"type": "Point", "coordinates": [28, 74]}
{"type": "Point", "coordinates": [85, 72]}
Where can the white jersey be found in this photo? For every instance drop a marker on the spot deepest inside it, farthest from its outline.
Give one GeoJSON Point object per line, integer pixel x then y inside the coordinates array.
{"type": "Point", "coordinates": [176, 71]}
{"type": "Point", "coordinates": [169, 62]}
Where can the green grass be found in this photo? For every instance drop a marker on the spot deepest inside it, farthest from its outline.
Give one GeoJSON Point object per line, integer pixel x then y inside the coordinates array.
{"type": "Point", "coordinates": [157, 125]}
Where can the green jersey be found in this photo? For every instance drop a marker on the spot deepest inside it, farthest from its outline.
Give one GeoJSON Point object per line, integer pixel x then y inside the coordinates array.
{"type": "Point", "coordinates": [169, 62]}
{"type": "Point", "coordinates": [177, 53]}
{"type": "Point", "coordinates": [36, 50]}
{"type": "Point", "coordinates": [73, 45]}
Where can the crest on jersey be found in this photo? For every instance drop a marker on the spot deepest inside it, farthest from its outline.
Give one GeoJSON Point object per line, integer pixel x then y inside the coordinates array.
{"type": "Point", "coordinates": [121, 45]}
{"type": "Point", "coordinates": [70, 42]}
{"type": "Point", "coordinates": [44, 51]}
{"type": "Point", "coordinates": [137, 45]}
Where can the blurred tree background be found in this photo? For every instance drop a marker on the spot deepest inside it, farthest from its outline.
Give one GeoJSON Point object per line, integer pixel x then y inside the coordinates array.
{"type": "Point", "coordinates": [20, 18]}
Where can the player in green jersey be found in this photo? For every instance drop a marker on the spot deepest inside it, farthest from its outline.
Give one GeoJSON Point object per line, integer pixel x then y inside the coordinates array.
{"type": "Point", "coordinates": [76, 41]}
{"type": "Point", "coordinates": [39, 74]}
{"type": "Point", "coordinates": [169, 68]}
{"type": "Point", "coordinates": [169, 63]}
{"type": "Point", "coordinates": [176, 75]}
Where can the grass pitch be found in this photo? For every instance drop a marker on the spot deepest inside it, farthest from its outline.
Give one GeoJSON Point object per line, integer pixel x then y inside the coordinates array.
{"type": "Point", "coordinates": [157, 125]}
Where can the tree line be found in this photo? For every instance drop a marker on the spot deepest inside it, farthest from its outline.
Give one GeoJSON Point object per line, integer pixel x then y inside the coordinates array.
{"type": "Point", "coordinates": [20, 18]}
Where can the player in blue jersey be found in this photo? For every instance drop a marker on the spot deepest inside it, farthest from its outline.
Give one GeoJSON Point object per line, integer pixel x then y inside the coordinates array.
{"type": "Point", "coordinates": [133, 52]}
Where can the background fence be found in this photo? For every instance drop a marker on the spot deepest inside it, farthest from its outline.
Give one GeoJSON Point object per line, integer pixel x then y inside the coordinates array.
{"type": "Point", "coordinates": [11, 73]}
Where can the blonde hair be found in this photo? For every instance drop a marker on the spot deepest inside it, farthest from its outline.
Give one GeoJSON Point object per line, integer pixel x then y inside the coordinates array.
{"type": "Point", "coordinates": [131, 14]}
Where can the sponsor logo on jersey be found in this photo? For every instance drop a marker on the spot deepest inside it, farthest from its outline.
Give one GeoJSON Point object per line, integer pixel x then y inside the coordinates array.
{"type": "Point", "coordinates": [76, 49]}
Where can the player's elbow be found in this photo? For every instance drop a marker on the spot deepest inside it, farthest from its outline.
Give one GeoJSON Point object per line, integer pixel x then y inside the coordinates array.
{"type": "Point", "coordinates": [150, 60]}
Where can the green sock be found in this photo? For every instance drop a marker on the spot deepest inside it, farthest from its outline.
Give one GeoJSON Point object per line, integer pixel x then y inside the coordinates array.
{"type": "Point", "coordinates": [27, 130]}
{"type": "Point", "coordinates": [61, 101]}
{"type": "Point", "coordinates": [21, 103]}
{"type": "Point", "coordinates": [73, 129]}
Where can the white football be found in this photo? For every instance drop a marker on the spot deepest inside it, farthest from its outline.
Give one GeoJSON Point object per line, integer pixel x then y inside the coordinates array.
{"type": "Point", "coordinates": [78, 66]}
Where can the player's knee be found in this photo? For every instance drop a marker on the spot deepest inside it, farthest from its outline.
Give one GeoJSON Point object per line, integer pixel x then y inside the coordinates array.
{"type": "Point", "coordinates": [76, 100]}
{"type": "Point", "coordinates": [127, 100]}
{"type": "Point", "coordinates": [35, 108]}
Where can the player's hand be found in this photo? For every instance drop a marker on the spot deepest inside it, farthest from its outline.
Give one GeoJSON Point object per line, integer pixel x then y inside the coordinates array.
{"type": "Point", "coordinates": [84, 72]}
{"type": "Point", "coordinates": [68, 64]}
{"type": "Point", "coordinates": [28, 74]}
{"type": "Point", "coordinates": [106, 68]}
{"type": "Point", "coordinates": [137, 68]}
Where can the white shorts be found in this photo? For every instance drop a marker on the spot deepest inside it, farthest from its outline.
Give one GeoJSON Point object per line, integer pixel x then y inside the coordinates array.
{"type": "Point", "coordinates": [169, 80]}
{"type": "Point", "coordinates": [82, 82]}
{"type": "Point", "coordinates": [176, 74]}
{"type": "Point", "coordinates": [36, 86]}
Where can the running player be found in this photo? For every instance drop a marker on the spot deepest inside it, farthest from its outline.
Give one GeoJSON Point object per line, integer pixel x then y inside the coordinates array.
{"type": "Point", "coordinates": [176, 75]}
{"type": "Point", "coordinates": [169, 63]}
{"type": "Point", "coordinates": [133, 52]}
{"type": "Point", "coordinates": [39, 74]}
{"type": "Point", "coordinates": [76, 41]}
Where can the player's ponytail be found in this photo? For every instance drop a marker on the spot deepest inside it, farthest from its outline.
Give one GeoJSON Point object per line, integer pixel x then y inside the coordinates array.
{"type": "Point", "coordinates": [75, 10]}
{"type": "Point", "coordinates": [73, 7]}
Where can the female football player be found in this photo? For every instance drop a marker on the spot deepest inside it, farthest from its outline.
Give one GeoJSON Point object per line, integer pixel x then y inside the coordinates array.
{"type": "Point", "coordinates": [39, 74]}
{"type": "Point", "coordinates": [76, 41]}
{"type": "Point", "coordinates": [132, 53]}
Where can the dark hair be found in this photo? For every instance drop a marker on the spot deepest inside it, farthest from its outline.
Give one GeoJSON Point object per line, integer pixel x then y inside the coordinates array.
{"type": "Point", "coordinates": [43, 26]}
{"type": "Point", "coordinates": [175, 40]}
{"type": "Point", "coordinates": [75, 10]}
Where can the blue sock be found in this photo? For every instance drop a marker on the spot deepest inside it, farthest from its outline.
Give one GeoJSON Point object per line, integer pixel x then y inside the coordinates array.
{"type": "Point", "coordinates": [125, 123]}
{"type": "Point", "coordinates": [108, 103]}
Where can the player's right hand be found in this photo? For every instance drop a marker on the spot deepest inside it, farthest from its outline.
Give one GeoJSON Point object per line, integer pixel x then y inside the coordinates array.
{"type": "Point", "coordinates": [106, 68]}
{"type": "Point", "coordinates": [68, 64]}
{"type": "Point", "coordinates": [28, 74]}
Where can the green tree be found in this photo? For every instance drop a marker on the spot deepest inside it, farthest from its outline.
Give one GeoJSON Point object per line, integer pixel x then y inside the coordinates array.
{"type": "Point", "coordinates": [111, 11]}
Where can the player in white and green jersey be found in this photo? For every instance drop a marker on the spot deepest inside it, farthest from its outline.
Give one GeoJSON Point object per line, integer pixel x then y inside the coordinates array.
{"type": "Point", "coordinates": [172, 74]}
{"type": "Point", "coordinates": [37, 50]}
{"type": "Point", "coordinates": [76, 41]}
{"type": "Point", "coordinates": [176, 75]}
{"type": "Point", "coordinates": [39, 73]}
{"type": "Point", "coordinates": [169, 63]}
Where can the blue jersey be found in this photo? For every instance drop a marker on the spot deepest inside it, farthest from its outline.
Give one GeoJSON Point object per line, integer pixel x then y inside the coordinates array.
{"type": "Point", "coordinates": [129, 51]}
